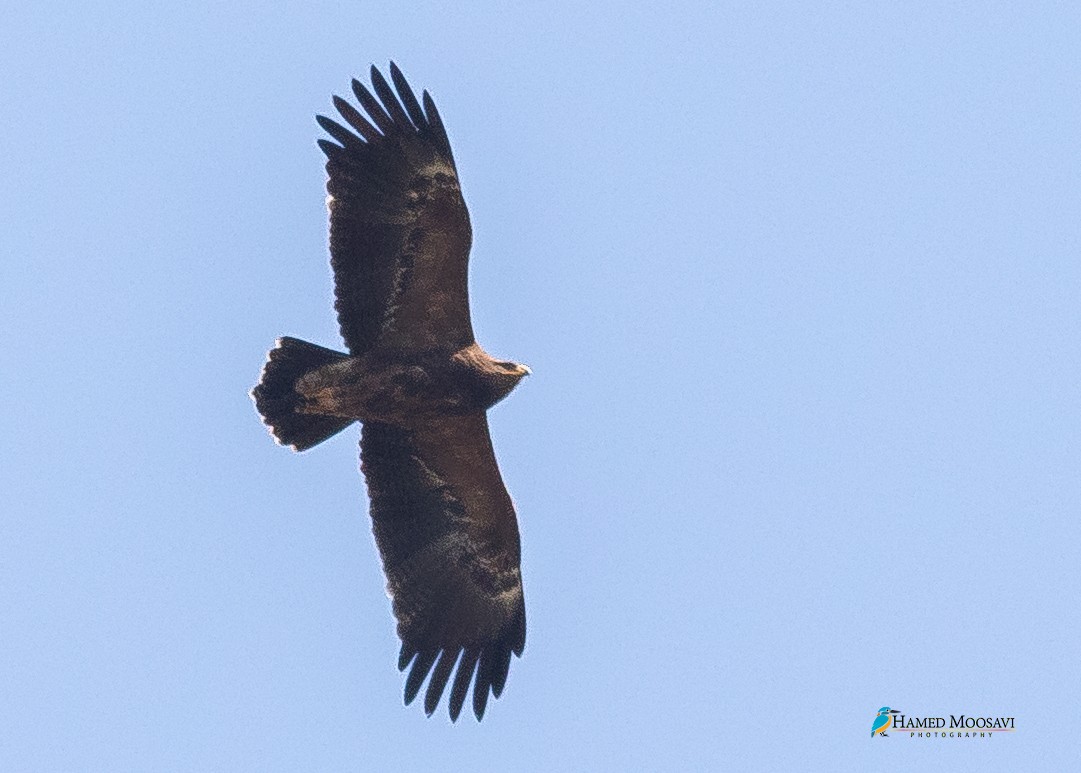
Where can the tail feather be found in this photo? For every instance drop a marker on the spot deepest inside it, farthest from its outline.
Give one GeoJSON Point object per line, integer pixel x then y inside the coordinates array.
{"type": "Point", "coordinates": [278, 403]}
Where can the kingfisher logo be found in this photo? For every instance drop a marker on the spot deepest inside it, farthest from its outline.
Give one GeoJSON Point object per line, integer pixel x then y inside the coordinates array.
{"type": "Point", "coordinates": [958, 726]}
{"type": "Point", "coordinates": [884, 721]}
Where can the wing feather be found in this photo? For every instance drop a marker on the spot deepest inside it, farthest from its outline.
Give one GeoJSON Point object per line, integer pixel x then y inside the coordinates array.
{"type": "Point", "coordinates": [390, 102]}
{"type": "Point", "coordinates": [371, 104]}
{"type": "Point", "coordinates": [405, 657]}
{"type": "Point", "coordinates": [461, 681]}
{"type": "Point", "coordinates": [448, 536]}
{"type": "Point", "coordinates": [421, 667]}
{"type": "Point", "coordinates": [438, 682]}
{"type": "Point", "coordinates": [409, 99]}
{"type": "Point", "coordinates": [399, 228]}
{"type": "Point", "coordinates": [483, 686]}
{"type": "Point", "coordinates": [435, 121]}
{"type": "Point", "coordinates": [345, 137]}
{"type": "Point", "coordinates": [355, 119]}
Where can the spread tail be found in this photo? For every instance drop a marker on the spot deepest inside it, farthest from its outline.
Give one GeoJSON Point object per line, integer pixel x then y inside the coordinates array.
{"type": "Point", "coordinates": [278, 403]}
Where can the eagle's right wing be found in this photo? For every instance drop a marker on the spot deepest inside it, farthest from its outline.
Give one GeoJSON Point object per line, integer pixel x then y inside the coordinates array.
{"type": "Point", "coordinates": [448, 536]}
{"type": "Point", "coordinates": [399, 228]}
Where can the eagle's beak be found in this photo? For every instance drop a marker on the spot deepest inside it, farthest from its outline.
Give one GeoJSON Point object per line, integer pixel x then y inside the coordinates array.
{"type": "Point", "coordinates": [525, 370]}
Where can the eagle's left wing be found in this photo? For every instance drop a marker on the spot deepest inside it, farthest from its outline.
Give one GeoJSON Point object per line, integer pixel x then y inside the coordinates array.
{"type": "Point", "coordinates": [448, 536]}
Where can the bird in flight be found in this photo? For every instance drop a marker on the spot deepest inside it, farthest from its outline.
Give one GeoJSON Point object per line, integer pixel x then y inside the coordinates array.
{"type": "Point", "coordinates": [420, 385]}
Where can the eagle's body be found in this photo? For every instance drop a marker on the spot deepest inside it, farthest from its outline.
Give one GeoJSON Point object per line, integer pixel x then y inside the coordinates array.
{"type": "Point", "coordinates": [379, 386]}
{"type": "Point", "coordinates": [420, 384]}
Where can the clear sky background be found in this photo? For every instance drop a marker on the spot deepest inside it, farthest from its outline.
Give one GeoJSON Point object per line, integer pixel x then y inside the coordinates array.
{"type": "Point", "coordinates": [800, 286]}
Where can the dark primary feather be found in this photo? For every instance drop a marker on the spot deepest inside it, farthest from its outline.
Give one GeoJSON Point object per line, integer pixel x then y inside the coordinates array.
{"type": "Point", "coordinates": [439, 134]}
{"type": "Point", "coordinates": [340, 133]}
{"type": "Point", "coordinates": [409, 99]}
{"type": "Point", "coordinates": [439, 679]}
{"type": "Point", "coordinates": [405, 656]}
{"type": "Point", "coordinates": [375, 110]}
{"type": "Point", "coordinates": [399, 227]}
{"type": "Point", "coordinates": [418, 674]}
{"type": "Point", "coordinates": [390, 101]}
{"type": "Point", "coordinates": [461, 681]}
{"type": "Point", "coordinates": [355, 119]}
{"type": "Point", "coordinates": [448, 537]}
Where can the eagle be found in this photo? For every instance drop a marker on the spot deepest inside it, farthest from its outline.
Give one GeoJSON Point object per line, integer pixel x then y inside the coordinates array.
{"type": "Point", "coordinates": [420, 385]}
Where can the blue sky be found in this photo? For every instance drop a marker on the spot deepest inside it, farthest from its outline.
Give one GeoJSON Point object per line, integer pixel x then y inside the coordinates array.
{"type": "Point", "coordinates": [799, 284]}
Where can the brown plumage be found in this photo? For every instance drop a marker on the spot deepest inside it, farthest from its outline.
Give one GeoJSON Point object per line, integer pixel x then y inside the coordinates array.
{"type": "Point", "coordinates": [420, 385]}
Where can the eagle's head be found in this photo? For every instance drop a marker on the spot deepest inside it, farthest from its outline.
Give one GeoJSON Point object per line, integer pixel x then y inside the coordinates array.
{"type": "Point", "coordinates": [491, 379]}
{"type": "Point", "coordinates": [498, 378]}
{"type": "Point", "coordinates": [516, 369]}
{"type": "Point", "coordinates": [504, 375]}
